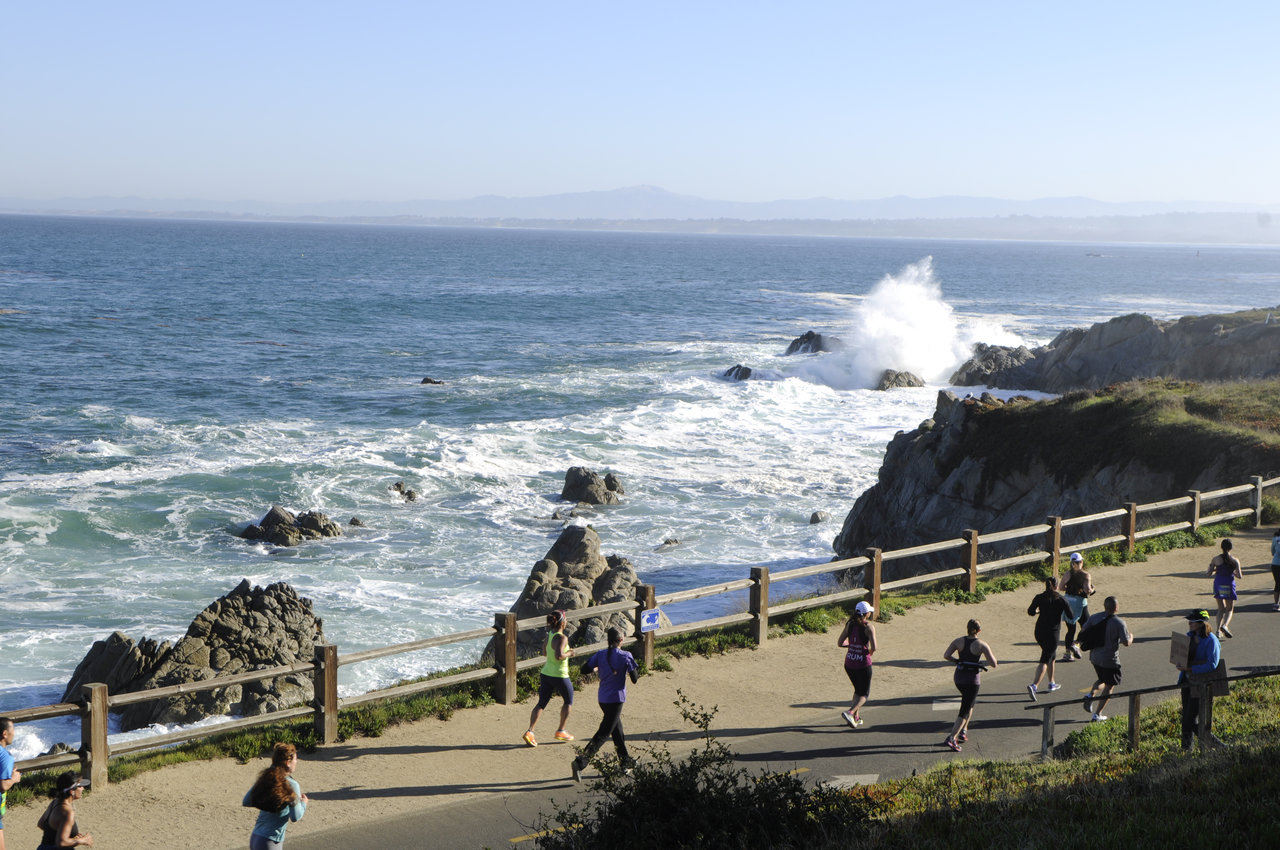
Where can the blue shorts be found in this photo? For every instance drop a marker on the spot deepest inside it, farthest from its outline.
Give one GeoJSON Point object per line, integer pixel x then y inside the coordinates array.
{"type": "Point", "coordinates": [1224, 591]}
{"type": "Point", "coordinates": [549, 686]}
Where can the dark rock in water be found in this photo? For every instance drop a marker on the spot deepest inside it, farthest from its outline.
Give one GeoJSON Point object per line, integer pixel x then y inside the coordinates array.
{"type": "Point", "coordinates": [251, 628]}
{"type": "Point", "coordinates": [812, 343]}
{"type": "Point", "coordinates": [586, 485]}
{"type": "Point", "coordinates": [818, 516]}
{"type": "Point", "coordinates": [668, 543]}
{"type": "Point", "coordinates": [737, 372]}
{"type": "Point", "coordinates": [410, 495]}
{"type": "Point", "coordinates": [891, 379]}
{"type": "Point", "coordinates": [356, 522]}
{"type": "Point", "coordinates": [1226, 347]}
{"type": "Point", "coordinates": [431, 381]}
{"type": "Point", "coordinates": [282, 528]}
{"type": "Point", "coordinates": [574, 575]}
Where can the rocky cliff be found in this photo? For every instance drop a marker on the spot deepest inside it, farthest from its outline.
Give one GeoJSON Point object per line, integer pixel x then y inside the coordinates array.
{"type": "Point", "coordinates": [1200, 348]}
{"type": "Point", "coordinates": [985, 464]}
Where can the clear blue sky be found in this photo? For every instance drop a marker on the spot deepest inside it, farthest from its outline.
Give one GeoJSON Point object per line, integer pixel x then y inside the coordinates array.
{"type": "Point", "coordinates": [311, 101]}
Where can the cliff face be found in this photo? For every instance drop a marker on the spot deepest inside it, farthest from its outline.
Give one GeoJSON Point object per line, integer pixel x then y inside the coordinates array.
{"type": "Point", "coordinates": [1199, 348]}
{"type": "Point", "coordinates": [988, 465]}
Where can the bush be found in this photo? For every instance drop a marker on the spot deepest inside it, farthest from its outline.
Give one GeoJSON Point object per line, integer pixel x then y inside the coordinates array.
{"type": "Point", "coordinates": [705, 800]}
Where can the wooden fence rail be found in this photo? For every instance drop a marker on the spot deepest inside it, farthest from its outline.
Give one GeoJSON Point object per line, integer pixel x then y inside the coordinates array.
{"type": "Point", "coordinates": [1045, 540]}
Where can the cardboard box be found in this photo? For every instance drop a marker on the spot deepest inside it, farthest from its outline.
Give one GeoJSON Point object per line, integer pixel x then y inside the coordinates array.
{"type": "Point", "coordinates": [1179, 648]}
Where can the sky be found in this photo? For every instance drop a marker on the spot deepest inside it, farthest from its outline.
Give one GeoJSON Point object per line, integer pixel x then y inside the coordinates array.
{"type": "Point", "coordinates": [747, 101]}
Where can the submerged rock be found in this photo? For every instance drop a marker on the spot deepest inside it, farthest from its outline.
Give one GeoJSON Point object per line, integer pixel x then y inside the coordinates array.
{"type": "Point", "coordinates": [811, 343]}
{"type": "Point", "coordinates": [282, 528]}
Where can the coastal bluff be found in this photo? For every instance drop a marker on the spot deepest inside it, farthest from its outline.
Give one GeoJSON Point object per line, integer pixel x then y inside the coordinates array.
{"type": "Point", "coordinates": [1226, 347]}
{"type": "Point", "coordinates": [986, 464]}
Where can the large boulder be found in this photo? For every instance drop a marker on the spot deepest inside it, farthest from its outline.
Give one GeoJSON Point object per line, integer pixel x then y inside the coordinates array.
{"type": "Point", "coordinates": [574, 575]}
{"type": "Point", "coordinates": [251, 628]}
{"type": "Point", "coordinates": [1225, 347]}
{"type": "Point", "coordinates": [892, 379]}
{"type": "Point", "coordinates": [282, 528]}
{"type": "Point", "coordinates": [587, 485]}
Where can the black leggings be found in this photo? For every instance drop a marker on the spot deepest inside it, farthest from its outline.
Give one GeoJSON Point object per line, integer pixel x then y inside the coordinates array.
{"type": "Point", "coordinates": [610, 726]}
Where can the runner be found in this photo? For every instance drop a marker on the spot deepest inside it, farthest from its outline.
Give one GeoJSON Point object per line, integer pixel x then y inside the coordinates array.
{"type": "Point", "coordinates": [860, 637]}
{"type": "Point", "coordinates": [554, 678]}
{"type": "Point", "coordinates": [967, 652]}
{"type": "Point", "coordinates": [1225, 569]}
{"type": "Point", "coordinates": [1052, 610]}
{"type": "Point", "coordinates": [616, 665]}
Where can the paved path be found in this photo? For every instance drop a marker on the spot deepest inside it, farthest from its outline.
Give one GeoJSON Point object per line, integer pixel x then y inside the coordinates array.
{"type": "Point", "coordinates": [469, 782]}
{"type": "Point", "coordinates": [904, 732]}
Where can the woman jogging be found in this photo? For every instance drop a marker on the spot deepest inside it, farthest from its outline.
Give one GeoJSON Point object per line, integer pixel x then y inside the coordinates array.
{"type": "Point", "coordinates": [615, 665]}
{"type": "Point", "coordinates": [1275, 569]}
{"type": "Point", "coordinates": [1225, 569]}
{"type": "Point", "coordinates": [58, 823]}
{"type": "Point", "coordinates": [278, 797]}
{"type": "Point", "coordinates": [1077, 587]}
{"type": "Point", "coordinates": [1049, 609]}
{"type": "Point", "coordinates": [554, 678]}
{"type": "Point", "coordinates": [967, 653]}
{"type": "Point", "coordinates": [859, 636]}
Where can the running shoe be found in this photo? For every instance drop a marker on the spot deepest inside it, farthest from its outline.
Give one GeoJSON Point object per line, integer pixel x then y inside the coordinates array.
{"type": "Point", "coordinates": [1054, 686]}
{"type": "Point", "coordinates": [1088, 704]}
{"type": "Point", "coordinates": [1031, 689]}
{"type": "Point", "coordinates": [529, 739]}
{"type": "Point", "coordinates": [1276, 607]}
{"type": "Point", "coordinates": [1068, 657]}
{"type": "Point", "coordinates": [1075, 651]}
{"type": "Point", "coordinates": [577, 771]}
{"type": "Point", "coordinates": [857, 720]}
{"type": "Point", "coordinates": [963, 736]}
{"type": "Point", "coordinates": [1226, 632]}
{"type": "Point", "coordinates": [849, 718]}
{"type": "Point", "coordinates": [1098, 718]}
{"type": "Point", "coordinates": [562, 735]}
{"type": "Point", "coordinates": [951, 742]}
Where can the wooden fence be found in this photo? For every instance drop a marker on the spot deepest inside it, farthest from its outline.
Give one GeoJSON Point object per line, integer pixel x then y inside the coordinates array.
{"type": "Point", "coordinates": [1042, 543]}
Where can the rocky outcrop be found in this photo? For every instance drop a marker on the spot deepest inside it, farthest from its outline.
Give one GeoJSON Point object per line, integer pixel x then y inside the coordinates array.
{"type": "Point", "coordinates": [587, 485]}
{"type": "Point", "coordinates": [989, 465]}
{"type": "Point", "coordinates": [251, 628]}
{"type": "Point", "coordinates": [282, 528]}
{"type": "Point", "coordinates": [892, 379]}
{"type": "Point", "coordinates": [737, 372]}
{"type": "Point", "coordinates": [811, 342]}
{"type": "Point", "coordinates": [574, 575]}
{"type": "Point", "coordinates": [1199, 348]}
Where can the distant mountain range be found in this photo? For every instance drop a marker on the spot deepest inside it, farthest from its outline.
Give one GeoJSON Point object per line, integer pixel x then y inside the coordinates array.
{"type": "Point", "coordinates": [652, 208]}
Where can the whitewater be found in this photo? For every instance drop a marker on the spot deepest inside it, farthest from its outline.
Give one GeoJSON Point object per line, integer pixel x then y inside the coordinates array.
{"type": "Point", "coordinates": [166, 382]}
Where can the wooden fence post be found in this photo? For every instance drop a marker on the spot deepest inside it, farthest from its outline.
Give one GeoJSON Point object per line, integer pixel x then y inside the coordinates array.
{"type": "Point", "coordinates": [1131, 525]}
{"type": "Point", "coordinates": [1053, 543]}
{"type": "Point", "coordinates": [504, 656]}
{"type": "Point", "coordinates": [326, 693]}
{"type": "Point", "coordinates": [1257, 499]}
{"type": "Point", "coordinates": [1195, 510]}
{"type": "Point", "coordinates": [1046, 734]}
{"type": "Point", "coordinates": [646, 600]}
{"type": "Point", "coordinates": [1135, 720]}
{"type": "Point", "coordinates": [971, 558]}
{"type": "Point", "coordinates": [760, 605]}
{"type": "Point", "coordinates": [93, 735]}
{"type": "Point", "coordinates": [877, 573]}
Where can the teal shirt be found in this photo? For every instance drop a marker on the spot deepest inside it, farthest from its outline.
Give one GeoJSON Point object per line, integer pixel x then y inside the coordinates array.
{"type": "Point", "coordinates": [271, 825]}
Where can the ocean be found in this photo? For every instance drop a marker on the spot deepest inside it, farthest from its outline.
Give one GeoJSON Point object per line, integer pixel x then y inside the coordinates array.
{"type": "Point", "coordinates": [164, 382]}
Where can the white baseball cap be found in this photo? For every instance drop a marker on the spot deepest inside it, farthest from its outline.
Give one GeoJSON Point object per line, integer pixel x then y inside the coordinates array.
{"type": "Point", "coordinates": [863, 608]}
{"type": "Point", "coordinates": [1077, 558]}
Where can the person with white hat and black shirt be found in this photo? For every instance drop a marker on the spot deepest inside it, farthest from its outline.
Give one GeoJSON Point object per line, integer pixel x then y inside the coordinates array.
{"type": "Point", "coordinates": [858, 637]}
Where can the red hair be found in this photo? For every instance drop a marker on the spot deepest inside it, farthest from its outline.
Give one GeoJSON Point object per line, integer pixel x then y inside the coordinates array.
{"type": "Point", "coordinates": [272, 791]}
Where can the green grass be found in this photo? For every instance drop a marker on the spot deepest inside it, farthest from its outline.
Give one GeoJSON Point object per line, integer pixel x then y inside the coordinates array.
{"type": "Point", "coordinates": [1094, 793]}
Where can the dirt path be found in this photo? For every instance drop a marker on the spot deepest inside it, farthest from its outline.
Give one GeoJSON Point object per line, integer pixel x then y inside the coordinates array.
{"type": "Point", "coordinates": [431, 763]}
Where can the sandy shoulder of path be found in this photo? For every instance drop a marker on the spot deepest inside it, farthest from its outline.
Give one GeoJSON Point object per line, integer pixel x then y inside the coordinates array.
{"type": "Point", "coordinates": [791, 681]}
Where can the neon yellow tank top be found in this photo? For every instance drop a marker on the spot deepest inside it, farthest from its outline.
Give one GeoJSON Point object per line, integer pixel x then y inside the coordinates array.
{"type": "Point", "coordinates": [556, 668]}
